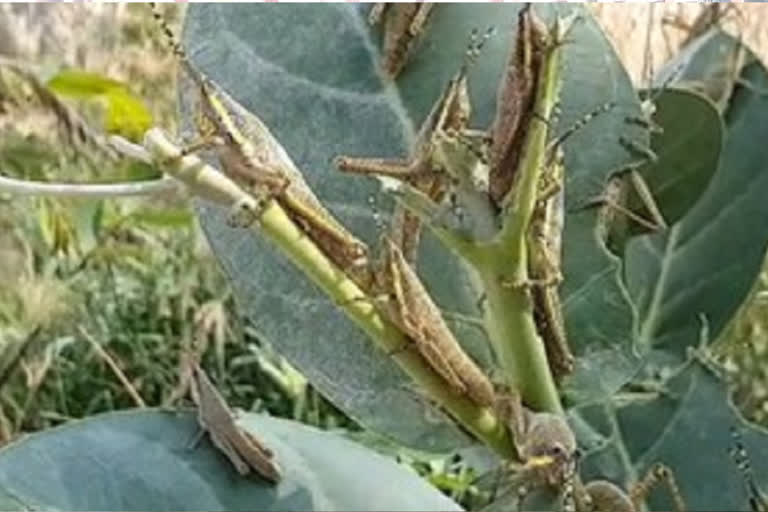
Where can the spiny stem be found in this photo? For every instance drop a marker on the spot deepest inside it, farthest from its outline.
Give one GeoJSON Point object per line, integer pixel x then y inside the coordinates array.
{"type": "Point", "coordinates": [279, 228]}
{"type": "Point", "coordinates": [512, 329]}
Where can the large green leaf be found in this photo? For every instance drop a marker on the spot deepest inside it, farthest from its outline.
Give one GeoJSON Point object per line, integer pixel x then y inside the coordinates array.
{"type": "Point", "coordinates": [688, 151]}
{"type": "Point", "coordinates": [310, 73]}
{"type": "Point", "coordinates": [707, 262]}
{"type": "Point", "coordinates": [686, 425]}
{"type": "Point", "coordinates": [126, 114]}
{"type": "Point", "coordinates": [144, 460]}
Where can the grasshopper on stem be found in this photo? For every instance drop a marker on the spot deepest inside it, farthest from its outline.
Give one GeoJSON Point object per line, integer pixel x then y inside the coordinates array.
{"type": "Point", "coordinates": [545, 254]}
{"type": "Point", "coordinates": [250, 155]}
{"type": "Point", "coordinates": [546, 449]}
{"type": "Point", "coordinates": [445, 161]}
{"type": "Point", "coordinates": [408, 305]}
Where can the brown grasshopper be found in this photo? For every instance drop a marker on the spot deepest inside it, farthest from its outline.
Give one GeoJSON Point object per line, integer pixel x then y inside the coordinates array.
{"type": "Point", "coordinates": [403, 23]}
{"type": "Point", "coordinates": [514, 103]}
{"type": "Point", "coordinates": [408, 305]}
{"type": "Point", "coordinates": [443, 161]}
{"type": "Point", "coordinates": [242, 448]}
{"type": "Point", "coordinates": [545, 254]}
{"type": "Point", "coordinates": [546, 449]}
{"type": "Point", "coordinates": [605, 496]}
{"type": "Point", "coordinates": [250, 154]}
{"type": "Point", "coordinates": [548, 452]}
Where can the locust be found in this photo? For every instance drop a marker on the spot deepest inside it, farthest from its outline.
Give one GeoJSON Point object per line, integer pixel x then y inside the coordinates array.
{"type": "Point", "coordinates": [606, 496]}
{"type": "Point", "coordinates": [403, 24]}
{"type": "Point", "coordinates": [405, 301]}
{"type": "Point", "coordinates": [514, 113]}
{"type": "Point", "coordinates": [548, 453]}
{"type": "Point", "coordinates": [251, 156]}
{"type": "Point", "coordinates": [431, 170]}
{"type": "Point", "coordinates": [546, 449]}
{"type": "Point", "coordinates": [545, 255]}
{"type": "Point", "coordinates": [514, 104]}
{"type": "Point", "coordinates": [246, 453]}
{"type": "Point", "coordinates": [446, 162]}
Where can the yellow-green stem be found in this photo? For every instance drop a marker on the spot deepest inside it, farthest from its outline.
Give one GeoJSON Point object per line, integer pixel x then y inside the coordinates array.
{"type": "Point", "coordinates": [277, 226]}
{"type": "Point", "coordinates": [505, 270]}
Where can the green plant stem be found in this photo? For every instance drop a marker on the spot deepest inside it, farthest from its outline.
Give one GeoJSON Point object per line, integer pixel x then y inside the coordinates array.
{"type": "Point", "coordinates": [505, 270]}
{"type": "Point", "coordinates": [277, 226]}
{"type": "Point", "coordinates": [519, 348]}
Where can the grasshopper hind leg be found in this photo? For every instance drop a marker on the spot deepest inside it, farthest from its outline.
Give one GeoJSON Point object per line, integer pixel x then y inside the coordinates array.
{"type": "Point", "coordinates": [658, 474]}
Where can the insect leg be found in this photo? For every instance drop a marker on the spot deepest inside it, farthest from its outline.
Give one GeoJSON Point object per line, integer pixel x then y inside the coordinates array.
{"type": "Point", "coordinates": [657, 474]}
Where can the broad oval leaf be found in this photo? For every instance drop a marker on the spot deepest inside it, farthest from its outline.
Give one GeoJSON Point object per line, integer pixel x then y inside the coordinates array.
{"type": "Point", "coordinates": [147, 460]}
{"type": "Point", "coordinates": [688, 151]}
{"type": "Point", "coordinates": [309, 72]}
{"type": "Point", "coordinates": [707, 262]}
{"type": "Point", "coordinates": [685, 426]}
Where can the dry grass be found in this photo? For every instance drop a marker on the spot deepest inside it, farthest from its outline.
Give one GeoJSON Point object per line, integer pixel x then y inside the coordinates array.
{"type": "Point", "coordinates": [121, 41]}
{"type": "Point", "coordinates": [627, 27]}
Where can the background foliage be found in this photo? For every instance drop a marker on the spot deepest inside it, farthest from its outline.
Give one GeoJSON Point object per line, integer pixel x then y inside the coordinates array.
{"type": "Point", "coordinates": [135, 277]}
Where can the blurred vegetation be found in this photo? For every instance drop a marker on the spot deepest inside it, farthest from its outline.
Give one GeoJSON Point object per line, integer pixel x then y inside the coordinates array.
{"type": "Point", "coordinates": [88, 286]}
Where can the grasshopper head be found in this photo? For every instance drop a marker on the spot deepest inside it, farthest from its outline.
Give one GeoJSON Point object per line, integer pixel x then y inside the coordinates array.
{"type": "Point", "coordinates": [549, 448]}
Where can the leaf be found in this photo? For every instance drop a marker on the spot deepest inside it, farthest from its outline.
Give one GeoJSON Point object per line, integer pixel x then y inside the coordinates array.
{"type": "Point", "coordinates": [688, 153]}
{"type": "Point", "coordinates": [126, 114]}
{"type": "Point", "coordinates": [688, 429]}
{"type": "Point", "coordinates": [309, 73]}
{"type": "Point", "coordinates": [73, 83]}
{"type": "Point", "coordinates": [175, 218]}
{"type": "Point", "coordinates": [143, 460]}
{"type": "Point", "coordinates": [707, 262]}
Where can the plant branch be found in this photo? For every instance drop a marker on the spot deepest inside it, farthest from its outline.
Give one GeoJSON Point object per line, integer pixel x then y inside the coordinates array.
{"type": "Point", "coordinates": [87, 190]}
{"type": "Point", "coordinates": [509, 314]}
{"type": "Point", "coordinates": [279, 228]}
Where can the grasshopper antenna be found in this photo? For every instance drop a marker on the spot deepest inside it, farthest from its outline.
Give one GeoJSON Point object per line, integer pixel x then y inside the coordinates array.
{"type": "Point", "coordinates": [740, 456]}
{"type": "Point", "coordinates": [173, 41]}
{"type": "Point", "coordinates": [475, 47]}
{"type": "Point", "coordinates": [579, 124]}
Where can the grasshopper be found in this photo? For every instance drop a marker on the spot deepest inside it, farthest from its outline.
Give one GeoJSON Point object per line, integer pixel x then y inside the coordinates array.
{"type": "Point", "coordinates": [408, 305]}
{"type": "Point", "coordinates": [545, 254]}
{"type": "Point", "coordinates": [444, 162]}
{"type": "Point", "coordinates": [403, 23]}
{"type": "Point", "coordinates": [548, 452]}
{"type": "Point", "coordinates": [250, 155]}
{"type": "Point", "coordinates": [514, 103]}
{"type": "Point", "coordinates": [244, 450]}
{"type": "Point", "coordinates": [546, 448]}
{"type": "Point", "coordinates": [605, 496]}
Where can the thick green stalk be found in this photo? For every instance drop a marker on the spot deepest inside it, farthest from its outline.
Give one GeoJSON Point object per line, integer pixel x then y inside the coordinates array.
{"type": "Point", "coordinates": [505, 270]}
{"type": "Point", "coordinates": [277, 226]}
